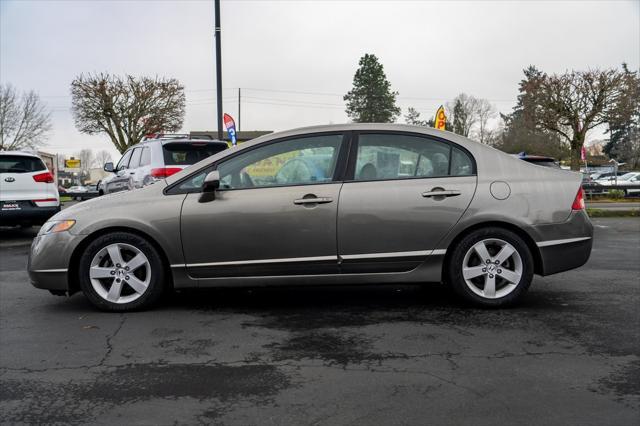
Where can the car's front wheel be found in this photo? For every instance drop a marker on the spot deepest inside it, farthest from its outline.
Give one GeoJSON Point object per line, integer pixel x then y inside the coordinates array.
{"type": "Point", "coordinates": [120, 272]}
{"type": "Point", "coordinates": [491, 267]}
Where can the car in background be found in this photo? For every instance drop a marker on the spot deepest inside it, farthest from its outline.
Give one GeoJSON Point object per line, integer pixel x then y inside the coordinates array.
{"type": "Point", "coordinates": [82, 192]}
{"type": "Point", "coordinates": [28, 193]}
{"type": "Point", "coordinates": [606, 175]}
{"type": "Point", "coordinates": [341, 204]}
{"type": "Point", "coordinates": [156, 158]}
{"type": "Point", "coordinates": [628, 179]}
{"type": "Point", "coordinates": [77, 189]}
{"type": "Point", "coordinates": [539, 160]}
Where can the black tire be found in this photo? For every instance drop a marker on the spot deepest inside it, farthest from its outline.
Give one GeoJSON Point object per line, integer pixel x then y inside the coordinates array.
{"type": "Point", "coordinates": [157, 282]}
{"type": "Point", "coordinates": [456, 263]}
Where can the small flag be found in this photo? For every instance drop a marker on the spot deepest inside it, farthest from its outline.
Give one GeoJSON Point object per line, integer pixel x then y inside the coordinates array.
{"type": "Point", "coordinates": [230, 125]}
{"type": "Point", "coordinates": [441, 119]}
{"type": "Point", "coordinates": [583, 153]}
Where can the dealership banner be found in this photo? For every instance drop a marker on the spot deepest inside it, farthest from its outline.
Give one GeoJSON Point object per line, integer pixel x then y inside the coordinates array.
{"type": "Point", "coordinates": [441, 119]}
{"type": "Point", "coordinates": [230, 125]}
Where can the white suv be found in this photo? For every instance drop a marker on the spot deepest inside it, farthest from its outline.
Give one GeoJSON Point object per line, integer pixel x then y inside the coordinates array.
{"type": "Point", "coordinates": [28, 193]}
{"type": "Point", "coordinates": [156, 158]}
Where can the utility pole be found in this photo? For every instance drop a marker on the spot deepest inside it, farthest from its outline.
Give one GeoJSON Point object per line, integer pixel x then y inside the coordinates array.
{"type": "Point", "coordinates": [239, 97]}
{"type": "Point", "coordinates": [218, 67]}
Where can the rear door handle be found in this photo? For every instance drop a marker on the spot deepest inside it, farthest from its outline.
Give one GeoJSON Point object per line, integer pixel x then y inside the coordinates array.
{"type": "Point", "coordinates": [317, 200]}
{"type": "Point", "coordinates": [445, 193]}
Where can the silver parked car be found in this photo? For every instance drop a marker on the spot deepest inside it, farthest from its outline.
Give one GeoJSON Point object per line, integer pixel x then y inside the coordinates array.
{"type": "Point", "coordinates": [156, 158]}
{"type": "Point", "coordinates": [342, 204]}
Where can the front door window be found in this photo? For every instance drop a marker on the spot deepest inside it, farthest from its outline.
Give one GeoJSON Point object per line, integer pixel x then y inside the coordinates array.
{"type": "Point", "coordinates": [303, 161]}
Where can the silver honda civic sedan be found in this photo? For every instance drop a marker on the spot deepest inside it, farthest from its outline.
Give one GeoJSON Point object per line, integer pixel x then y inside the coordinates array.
{"type": "Point", "coordinates": [340, 204]}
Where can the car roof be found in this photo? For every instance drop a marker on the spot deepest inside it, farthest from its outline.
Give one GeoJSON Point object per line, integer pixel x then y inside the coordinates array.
{"type": "Point", "coordinates": [25, 154]}
{"type": "Point", "coordinates": [165, 141]}
{"type": "Point", "coordinates": [478, 150]}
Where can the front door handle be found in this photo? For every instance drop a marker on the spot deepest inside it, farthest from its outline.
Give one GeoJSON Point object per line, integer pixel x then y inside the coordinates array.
{"type": "Point", "coordinates": [315, 200]}
{"type": "Point", "coordinates": [441, 193]}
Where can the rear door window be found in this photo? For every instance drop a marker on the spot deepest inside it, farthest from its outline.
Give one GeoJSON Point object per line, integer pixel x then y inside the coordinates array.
{"type": "Point", "coordinates": [185, 154]}
{"type": "Point", "coordinates": [461, 164]}
{"type": "Point", "coordinates": [20, 164]}
{"type": "Point", "coordinates": [395, 156]}
{"type": "Point", "coordinates": [145, 159]}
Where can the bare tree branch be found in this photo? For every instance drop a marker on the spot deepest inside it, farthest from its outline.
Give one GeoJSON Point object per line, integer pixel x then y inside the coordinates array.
{"type": "Point", "coordinates": [127, 109]}
{"type": "Point", "coordinates": [24, 122]}
{"type": "Point", "coordinates": [571, 104]}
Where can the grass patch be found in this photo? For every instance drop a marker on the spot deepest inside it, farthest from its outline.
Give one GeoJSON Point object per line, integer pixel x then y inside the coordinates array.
{"type": "Point", "coordinates": [613, 213]}
{"type": "Point", "coordinates": [65, 198]}
{"type": "Point", "coordinates": [612, 200]}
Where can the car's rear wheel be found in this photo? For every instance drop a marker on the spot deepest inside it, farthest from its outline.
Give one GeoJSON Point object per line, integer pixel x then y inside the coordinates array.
{"type": "Point", "coordinates": [121, 272]}
{"type": "Point", "coordinates": [491, 267]}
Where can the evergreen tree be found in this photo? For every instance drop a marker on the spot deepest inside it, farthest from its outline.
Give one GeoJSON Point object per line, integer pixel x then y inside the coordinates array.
{"type": "Point", "coordinates": [371, 99]}
{"type": "Point", "coordinates": [459, 118]}
{"type": "Point", "coordinates": [413, 117]}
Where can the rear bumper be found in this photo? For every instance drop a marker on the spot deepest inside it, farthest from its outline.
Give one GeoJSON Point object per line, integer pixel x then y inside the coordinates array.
{"type": "Point", "coordinates": [27, 215]}
{"type": "Point", "coordinates": [566, 245]}
{"type": "Point", "coordinates": [563, 257]}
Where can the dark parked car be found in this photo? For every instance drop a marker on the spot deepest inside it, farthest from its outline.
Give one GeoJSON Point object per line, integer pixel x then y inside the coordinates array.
{"type": "Point", "coordinates": [539, 160]}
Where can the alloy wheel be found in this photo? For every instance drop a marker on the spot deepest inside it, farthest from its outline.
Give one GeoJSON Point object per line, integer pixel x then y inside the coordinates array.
{"type": "Point", "coordinates": [492, 268]}
{"type": "Point", "coordinates": [120, 273]}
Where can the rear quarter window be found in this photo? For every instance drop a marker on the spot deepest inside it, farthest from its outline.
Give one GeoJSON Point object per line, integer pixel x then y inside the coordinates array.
{"type": "Point", "coordinates": [20, 164]}
{"type": "Point", "coordinates": [185, 154]}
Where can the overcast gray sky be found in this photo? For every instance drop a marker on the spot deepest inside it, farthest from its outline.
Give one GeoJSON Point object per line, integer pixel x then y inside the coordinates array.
{"type": "Point", "coordinates": [295, 59]}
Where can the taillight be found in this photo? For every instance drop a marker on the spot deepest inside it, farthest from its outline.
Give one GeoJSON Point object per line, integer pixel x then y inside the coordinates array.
{"type": "Point", "coordinates": [45, 177]}
{"type": "Point", "coordinates": [164, 172]}
{"type": "Point", "coordinates": [578, 202]}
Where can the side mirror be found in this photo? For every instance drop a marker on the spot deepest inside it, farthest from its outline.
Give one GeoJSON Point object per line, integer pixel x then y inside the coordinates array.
{"type": "Point", "coordinates": [209, 186]}
{"type": "Point", "coordinates": [211, 181]}
{"type": "Point", "coordinates": [108, 167]}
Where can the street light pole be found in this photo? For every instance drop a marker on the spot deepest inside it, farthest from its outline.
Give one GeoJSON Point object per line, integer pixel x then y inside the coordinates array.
{"type": "Point", "coordinates": [218, 68]}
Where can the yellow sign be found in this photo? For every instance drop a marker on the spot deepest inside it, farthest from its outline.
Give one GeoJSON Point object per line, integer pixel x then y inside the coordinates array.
{"type": "Point", "coordinates": [270, 166]}
{"type": "Point", "coordinates": [441, 119]}
{"type": "Point", "coordinates": [72, 164]}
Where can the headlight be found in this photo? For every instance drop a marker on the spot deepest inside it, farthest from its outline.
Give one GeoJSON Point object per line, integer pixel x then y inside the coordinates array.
{"type": "Point", "coordinates": [56, 226]}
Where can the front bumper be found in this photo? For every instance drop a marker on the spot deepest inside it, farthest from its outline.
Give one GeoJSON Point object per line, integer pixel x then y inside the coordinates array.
{"type": "Point", "coordinates": [50, 258]}
{"type": "Point", "coordinates": [29, 214]}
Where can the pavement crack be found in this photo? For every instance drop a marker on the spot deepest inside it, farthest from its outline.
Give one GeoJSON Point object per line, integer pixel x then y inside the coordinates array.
{"type": "Point", "coordinates": [110, 338]}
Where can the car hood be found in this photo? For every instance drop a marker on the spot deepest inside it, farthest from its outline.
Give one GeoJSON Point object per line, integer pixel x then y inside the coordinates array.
{"type": "Point", "coordinates": [105, 202]}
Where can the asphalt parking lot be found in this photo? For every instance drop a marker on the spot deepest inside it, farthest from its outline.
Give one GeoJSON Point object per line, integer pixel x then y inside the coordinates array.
{"type": "Point", "coordinates": [570, 355]}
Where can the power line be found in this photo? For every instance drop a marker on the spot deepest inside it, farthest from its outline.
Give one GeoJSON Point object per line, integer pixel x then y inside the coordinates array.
{"type": "Point", "coordinates": [312, 93]}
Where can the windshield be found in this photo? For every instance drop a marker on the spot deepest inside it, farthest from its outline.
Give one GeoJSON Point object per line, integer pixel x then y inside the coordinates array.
{"type": "Point", "coordinates": [185, 154]}
{"type": "Point", "coordinates": [20, 164]}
